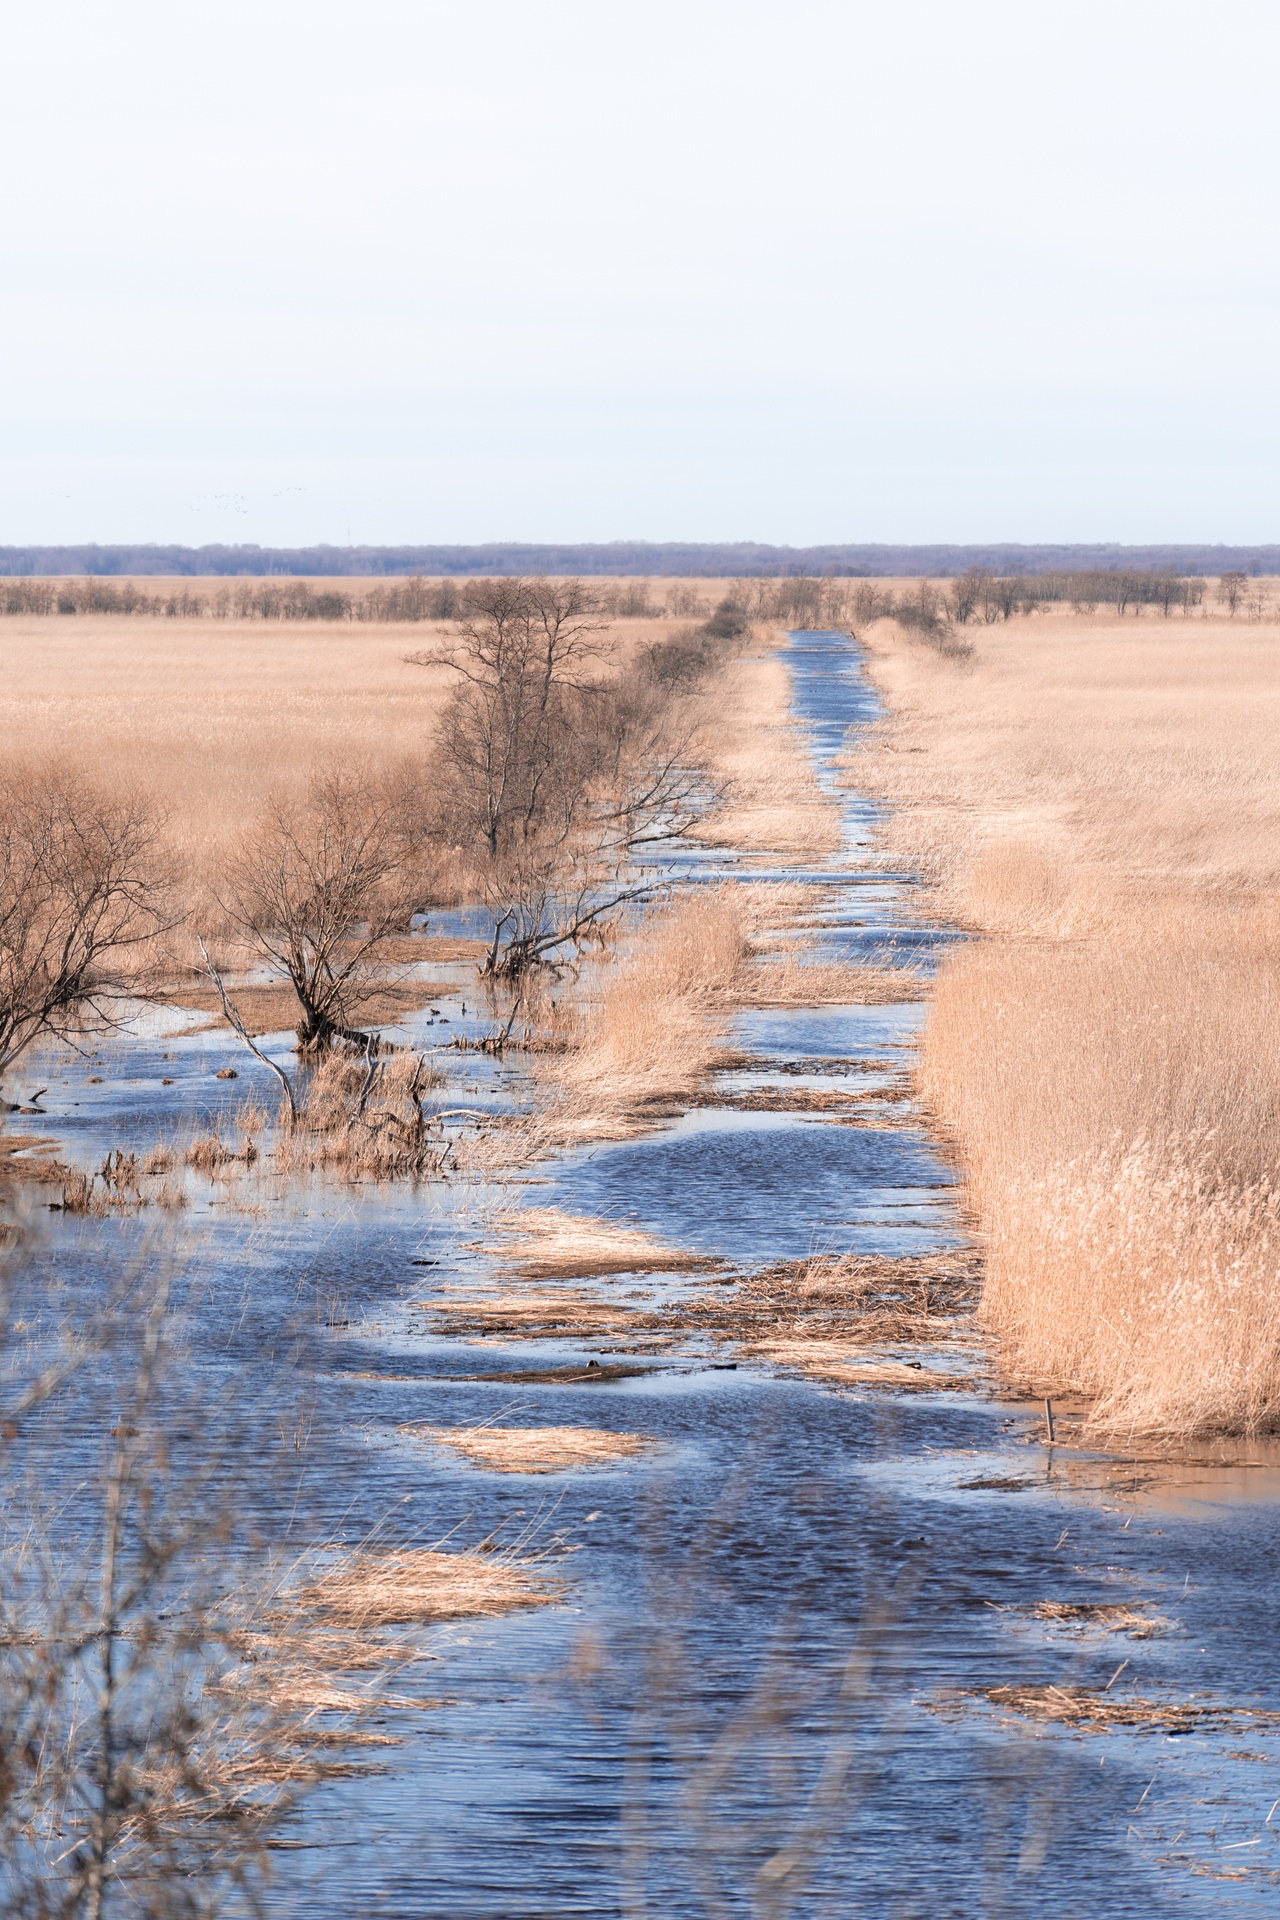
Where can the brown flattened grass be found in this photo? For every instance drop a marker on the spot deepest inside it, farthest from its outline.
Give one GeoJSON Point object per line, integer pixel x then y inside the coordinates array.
{"type": "Point", "coordinates": [797, 981]}
{"type": "Point", "coordinates": [548, 1243]}
{"type": "Point", "coordinates": [534, 1449]}
{"type": "Point", "coordinates": [418, 1586]}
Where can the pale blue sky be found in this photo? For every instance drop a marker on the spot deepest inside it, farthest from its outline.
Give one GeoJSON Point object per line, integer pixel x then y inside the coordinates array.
{"type": "Point", "coordinates": [808, 271]}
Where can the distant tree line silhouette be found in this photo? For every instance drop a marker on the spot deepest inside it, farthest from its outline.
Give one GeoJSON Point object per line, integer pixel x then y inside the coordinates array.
{"type": "Point", "coordinates": [658, 559]}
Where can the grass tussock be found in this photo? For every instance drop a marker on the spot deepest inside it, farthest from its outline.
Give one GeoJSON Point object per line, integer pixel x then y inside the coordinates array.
{"type": "Point", "coordinates": [1106, 1618]}
{"type": "Point", "coordinates": [1107, 808]}
{"type": "Point", "coordinates": [364, 1119]}
{"type": "Point", "coordinates": [419, 1586]}
{"type": "Point", "coordinates": [647, 1029]}
{"type": "Point", "coordinates": [534, 1449]}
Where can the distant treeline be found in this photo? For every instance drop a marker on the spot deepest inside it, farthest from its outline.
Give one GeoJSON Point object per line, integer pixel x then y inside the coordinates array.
{"type": "Point", "coordinates": [824, 602]}
{"type": "Point", "coordinates": [248, 600]}
{"type": "Point", "coordinates": [978, 595]}
{"type": "Point", "coordinates": [790, 602]}
{"type": "Point", "coordinates": [656, 559]}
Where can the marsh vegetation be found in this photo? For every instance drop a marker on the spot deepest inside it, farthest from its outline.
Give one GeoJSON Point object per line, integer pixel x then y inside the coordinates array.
{"type": "Point", "coordinates": [461, 908]}
{"type": "Point", "coordinates": [1097, 797]}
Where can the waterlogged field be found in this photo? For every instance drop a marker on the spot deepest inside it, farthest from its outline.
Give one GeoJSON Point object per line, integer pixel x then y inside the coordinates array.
{"type": "Point", "coordinates": [640, 1494]}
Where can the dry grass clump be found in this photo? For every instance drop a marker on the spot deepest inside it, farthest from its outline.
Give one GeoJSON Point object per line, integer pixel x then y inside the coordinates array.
{"type": "Point", "coordinates": [1111, 1619]}
{"type": "Point", "coordinates": [1095, 1710]}
{"type": "Point", "coordinates": [361, 1115]}
{"type": "Point", "coordinates": [650, 1024]}
{"type": "Point", "coordinates": [420, 1585]}
{"type": "Point", "coordinates": [773, 802]}
{"type": "Point", "coordinates": [117, 1186]}
{"type": "Point", "coordinates": [534, 1449]}
{"type": "Point", "coordinates": [1109, 1063]}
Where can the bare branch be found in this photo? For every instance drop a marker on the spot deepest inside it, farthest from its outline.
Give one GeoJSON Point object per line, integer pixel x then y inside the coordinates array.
{"type": "Point", "coordinates": [232, 1015]}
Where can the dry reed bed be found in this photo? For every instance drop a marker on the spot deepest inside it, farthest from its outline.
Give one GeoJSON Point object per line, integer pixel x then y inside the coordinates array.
{"type": "Point", "coordinates": [207, 721]}
{"type": "Point", "coordinates": [772, 800]}
{"type": "Point", "coordinates": [1103, 799]}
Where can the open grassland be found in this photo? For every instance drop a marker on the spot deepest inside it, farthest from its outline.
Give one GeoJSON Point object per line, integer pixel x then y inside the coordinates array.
{"type": "Point", "coordinates": [207, 716]}
{"type": "Point", "coordinates": [1100, 799]}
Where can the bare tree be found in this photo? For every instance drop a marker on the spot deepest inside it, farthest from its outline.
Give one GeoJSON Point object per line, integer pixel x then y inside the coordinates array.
{"type": "Point", "coordinates": [556, 772]}
{"type": "Point", "coordinates": [969, 591]}
{"type": "Point", "coordinates": [318, 888]}
{"type": "Point", "coordinates": [80, 891]}
{"type": "Point", "coordinates": [1230, 590]}
{"type": "Point", "coordinates": [520, 648]}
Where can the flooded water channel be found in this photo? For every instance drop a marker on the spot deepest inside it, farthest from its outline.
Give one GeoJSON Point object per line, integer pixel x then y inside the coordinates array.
{"type": "Point", "coordinates": [767, 1690]}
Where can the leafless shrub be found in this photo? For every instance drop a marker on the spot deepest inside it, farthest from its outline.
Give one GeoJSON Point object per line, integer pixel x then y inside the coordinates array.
{"type": "Point", "coordinates": [317, 889]}
{"type": "Point", "coordinates": [79, 895]}
{"type": "Point", "coordinates": [685, 603]}
{"type": "Point", "coordinates": [927, 616]}
{"type": "Point", "coordinates": [552, 773]}
{"type": "Point", "coordinates": [520, 649]}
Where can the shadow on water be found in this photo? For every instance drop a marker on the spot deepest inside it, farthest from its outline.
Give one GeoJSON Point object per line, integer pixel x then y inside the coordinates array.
{"type": "Point", "coordinates": [768, 1691]}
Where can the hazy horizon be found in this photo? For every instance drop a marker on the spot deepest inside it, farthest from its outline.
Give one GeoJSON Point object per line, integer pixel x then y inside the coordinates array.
{"type": "Point", "coordinates": [709, 273]}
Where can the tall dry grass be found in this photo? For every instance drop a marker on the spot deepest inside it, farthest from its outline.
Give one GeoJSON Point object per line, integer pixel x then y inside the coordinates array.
{"type": "Point", "coordinates": [1103, 803]}
{"type": "Point", "coordinates": [647, 1030]}
{"type": "Point", "coordinates": [771, 798]}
